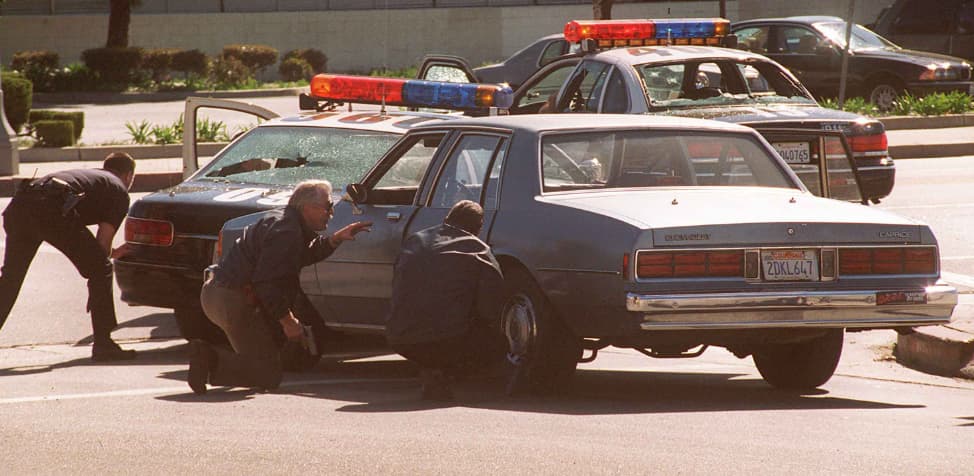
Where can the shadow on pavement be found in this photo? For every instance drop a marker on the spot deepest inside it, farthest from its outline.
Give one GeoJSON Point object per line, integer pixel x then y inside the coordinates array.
{"type": "Point", "coordinates": [170, 355]}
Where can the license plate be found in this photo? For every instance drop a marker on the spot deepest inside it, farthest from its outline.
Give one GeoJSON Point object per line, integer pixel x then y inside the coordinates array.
{"type": "Point", "coordinates": [790, 265]}
{"type": "Point", "coordinates": [794, 152]}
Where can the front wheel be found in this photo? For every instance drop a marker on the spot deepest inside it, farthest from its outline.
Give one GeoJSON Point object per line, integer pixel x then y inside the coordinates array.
{"type": "Point", "coordinates": [884, 94]}
{"type": "Point", "coordinates": [547, 350]}
{"type": "Point", "coordinates": [803, 365]}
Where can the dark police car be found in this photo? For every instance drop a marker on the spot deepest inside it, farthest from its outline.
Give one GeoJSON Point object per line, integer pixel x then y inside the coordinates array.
{"type": "Point", "coordinates": [172, 233]}
{"type": "Point", "coordinates": [676, 67]}
{"type": "Point", "coordinates": [811, 47]}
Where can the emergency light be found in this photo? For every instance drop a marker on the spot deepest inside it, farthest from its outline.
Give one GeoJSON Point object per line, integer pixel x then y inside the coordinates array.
{"type": "Point", "coordinates": [410, 92]}
{"type": "Point", "coordinates": [612, 33]}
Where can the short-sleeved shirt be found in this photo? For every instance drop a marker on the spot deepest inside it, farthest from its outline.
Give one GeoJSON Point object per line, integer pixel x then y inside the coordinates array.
{"type": "Point", "coordinates": [106, 198]}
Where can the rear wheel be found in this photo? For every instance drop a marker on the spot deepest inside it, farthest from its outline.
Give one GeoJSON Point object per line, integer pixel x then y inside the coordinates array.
{"type": "Point", "coordinates": [547, 350]}
{"type": "Point", "coordinates": [802, 365]}
{"type": "Point", "coordinates": [193, 324]}
{"type": "Point", "coordinates": [884, 93]}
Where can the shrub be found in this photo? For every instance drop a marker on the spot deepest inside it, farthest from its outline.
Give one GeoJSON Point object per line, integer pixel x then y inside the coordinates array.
{"type": "Point", "coordinates": [77, 119]}
{"type": "Point", "coordinates": [294, 69]}
{"type": "Point", "coordinates": [315, 58]}
{"type": "Point", "coordinates": [157, 62]}
{"type": "Point", "coordinates": [37, 66]}
{"type": "Point", "coordinates": [114, 65]}
{"type": "Point", "coordinates": [254, 57]}
{"type": "Point", "coordinates": [54, 133]}
{"type": "Point", "coordinates": [407, 72]}
{"type": "Point", "coordinates": [229, 72]}
{"type": "Point", "coordinates": [18, 94]}
{"type": "Point", "coordinates": [74, 77]}
{"type": "Point", "coordinates": [189, 62]}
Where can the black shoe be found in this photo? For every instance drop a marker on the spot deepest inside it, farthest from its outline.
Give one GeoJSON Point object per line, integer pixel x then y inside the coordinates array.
{"type": "Point", "coordinates": [201, 361]}
{"type": "Point", "coordinates": [104, 351]}
{"type": "Point", "coordinates": [436, 386]}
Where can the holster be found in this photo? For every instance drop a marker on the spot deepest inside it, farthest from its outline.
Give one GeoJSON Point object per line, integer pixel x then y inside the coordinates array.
{"type": "Point", "coordinates": [56, 191]}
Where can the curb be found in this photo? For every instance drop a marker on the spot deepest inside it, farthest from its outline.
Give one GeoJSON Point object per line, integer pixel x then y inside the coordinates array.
{"type": "Point", "coordinates": [98, 153]}
{"type": "Point", "coordinates": [946, 350]}
{"type": "Point", "coordinates": [57, 99]}
{"type": "Point", "coordinates": [931, 151]}
{"type": "Point", "coordinates": [143, 183]}
{"type": "Point", "coordinates": [894, 123]}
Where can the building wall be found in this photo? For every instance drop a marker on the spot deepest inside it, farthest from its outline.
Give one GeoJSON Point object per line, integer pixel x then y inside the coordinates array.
{"type": "Point", "coordinates": [359, 40]}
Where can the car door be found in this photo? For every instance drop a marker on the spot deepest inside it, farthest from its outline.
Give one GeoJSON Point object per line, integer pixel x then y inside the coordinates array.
{"type": "Point", "coordinates": [191, 150]}
{"type": "Point", "coordinates": [471, 171]}
{"type": "Point", "coordinates": [543, 86]}
{"type": "Point", "coordinates": [446, 68]}
{"type": "Point", "coordinates": [808, 55]}
{"type": "Point", "coordinates": [822, 160]}
{"type": "Point", "coordinates": [356, 281]}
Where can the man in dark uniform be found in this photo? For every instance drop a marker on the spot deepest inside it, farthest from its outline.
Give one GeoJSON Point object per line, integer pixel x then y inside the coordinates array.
{"type": "Point", "coordinates": [57, 209]}
{"type": "Point", "coordinates": [447, 293]}
{"type": "Point", "coordinates": [252, 291]}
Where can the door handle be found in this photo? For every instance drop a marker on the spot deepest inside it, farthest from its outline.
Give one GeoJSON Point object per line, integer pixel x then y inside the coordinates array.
{"type": "Point", "coordinates": [393, 216]}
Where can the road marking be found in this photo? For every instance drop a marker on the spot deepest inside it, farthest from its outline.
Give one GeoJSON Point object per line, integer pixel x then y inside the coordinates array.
{"type": "Point", "coordinates": [955, 258]}
{"type": "Point", "coordinates": [180, 389]}
{"type": "Point", "coordinates": [955, 278]}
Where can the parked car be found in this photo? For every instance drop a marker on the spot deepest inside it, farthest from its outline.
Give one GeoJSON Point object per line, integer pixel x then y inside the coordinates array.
{"type": "Point", "coordinates": [879, 70]}
{"type": "Point", "coordinates": [944, 26]}
{"type": "Point", "coordinates": [661, 234]}
{"type": "Point", "coordinates": [515, 69]}
{"type": "Point", "coordinates": [650, 76]}
{"type": "Point", "coordinates": [173, 232]}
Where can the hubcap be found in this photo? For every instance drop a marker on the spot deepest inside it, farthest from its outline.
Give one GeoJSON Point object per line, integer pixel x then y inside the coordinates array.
{"type": "Point", "coordinates": [520, 325]}
{"type": "Point", "coordinates": [883, 96]}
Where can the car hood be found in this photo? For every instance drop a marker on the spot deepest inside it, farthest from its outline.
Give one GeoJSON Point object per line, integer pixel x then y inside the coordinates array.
{"type": "Point", "coordinates": [744, 215]}
{"type": "Point", "coordinates": [919, 58]}
{"type": "Point", "coordinates": [776, 114]}
{"type": "Point", "coordinates": [201, 207]}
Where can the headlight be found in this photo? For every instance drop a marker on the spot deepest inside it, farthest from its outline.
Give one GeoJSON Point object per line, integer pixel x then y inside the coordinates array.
{"type": "Point", "coordinates": [940, 73]}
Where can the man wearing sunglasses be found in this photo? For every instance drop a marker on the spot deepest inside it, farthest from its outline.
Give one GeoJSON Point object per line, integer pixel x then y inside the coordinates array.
{"type": "Point", "coordinates": [251, 293]}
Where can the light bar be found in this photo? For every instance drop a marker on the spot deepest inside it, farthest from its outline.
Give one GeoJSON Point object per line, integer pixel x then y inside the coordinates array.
{"type": "Point", "coordinates": [610, 33]}
{"type": "Point", "coordinates": [410, 92]}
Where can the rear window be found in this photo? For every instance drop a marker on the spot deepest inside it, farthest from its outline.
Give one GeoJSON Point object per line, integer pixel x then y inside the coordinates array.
{"type": "Point", "coordinates": [627, 159]}
{"type": "Point", "coordinates": [287, 155]}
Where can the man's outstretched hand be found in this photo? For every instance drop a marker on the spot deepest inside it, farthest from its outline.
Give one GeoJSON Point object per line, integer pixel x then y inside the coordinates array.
{"type": "Point", "coordinates": [348, 232]}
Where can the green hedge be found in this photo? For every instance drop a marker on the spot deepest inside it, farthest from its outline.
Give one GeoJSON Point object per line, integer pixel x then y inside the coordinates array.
{"type": "Point", "coordinates": [54, 133]}
{"type": "Point", "coordinates": [294, 69]}
{"type": "Point", "coordinates": [18, 94]}
{"type": "Point", "coordinates": [255, 57]}
{"type": "Point", "coordinates": [77, 118]}
{"type": "Point", "coordinates": [190, 62]}
{"type": "Point", "coordinates": [114, 65]}
{"type": "Point", "coordinates": [315, 58]}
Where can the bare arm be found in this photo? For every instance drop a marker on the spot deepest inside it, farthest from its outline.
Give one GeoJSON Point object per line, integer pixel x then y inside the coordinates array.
{"type": "Point", "coordinates": [104, 236]}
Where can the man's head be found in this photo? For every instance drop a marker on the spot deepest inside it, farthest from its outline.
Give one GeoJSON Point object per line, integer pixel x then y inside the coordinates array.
{"type": "Point", "coordinates": [122, 165]}
{"type": "Point", "coordinates": [313, 199]}
{"type": "Point", "coordinates": [466, 215]}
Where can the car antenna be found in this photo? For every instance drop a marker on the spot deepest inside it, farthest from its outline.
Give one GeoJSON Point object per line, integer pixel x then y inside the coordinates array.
{"type": "Point", "coordinates": [382, 112]}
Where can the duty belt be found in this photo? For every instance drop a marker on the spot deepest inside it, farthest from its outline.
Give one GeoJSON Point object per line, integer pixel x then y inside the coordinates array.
{"type": "Point", "coordinates": [55, 190]}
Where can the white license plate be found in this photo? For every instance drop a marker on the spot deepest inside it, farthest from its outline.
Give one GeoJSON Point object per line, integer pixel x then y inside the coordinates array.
{"type": "Point", "coordinates": [790, 265]}
{"type": "Point", "coordinates": [794, 152]}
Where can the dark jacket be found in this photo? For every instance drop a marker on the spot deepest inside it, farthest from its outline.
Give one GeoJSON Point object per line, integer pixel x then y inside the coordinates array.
{"type": "Point", "coordinates": [103, 196]}
{"type": "Point", "coordinates": [444, 279]}
{"type": "Point", "coordinates": [269, 256]}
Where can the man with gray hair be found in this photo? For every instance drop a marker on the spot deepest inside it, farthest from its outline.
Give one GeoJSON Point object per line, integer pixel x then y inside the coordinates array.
{"type": "Point", "coordinates": [251, 293]}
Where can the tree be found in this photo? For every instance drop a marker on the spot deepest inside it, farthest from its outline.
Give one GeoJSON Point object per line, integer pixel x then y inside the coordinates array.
{"type": "Point", "coordinates": [602, 9]}
{"type": "Point", "coordinates": [119, 15]}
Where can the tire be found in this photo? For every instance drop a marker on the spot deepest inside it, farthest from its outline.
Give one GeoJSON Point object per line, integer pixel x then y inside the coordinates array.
{"type": "Point", "coordinates": [193, 324]}
{"type": "Point", "coordinates": [547, 349]}
{"type": "Point", "coordinates": [884, 93]}
{"type": "Point", "coordinates": [803, 365]}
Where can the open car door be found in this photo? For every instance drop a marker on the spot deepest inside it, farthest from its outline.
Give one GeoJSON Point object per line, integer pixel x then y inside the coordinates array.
{"type": "Point", "coordinates": [821, 159]}
{"type": "Point", "coordinates": [191, 151]}
{"type": "Point", "coordinates": [446, 68]}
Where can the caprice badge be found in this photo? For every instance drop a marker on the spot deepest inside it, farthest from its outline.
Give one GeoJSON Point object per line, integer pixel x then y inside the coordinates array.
{"type": "Point", "coordinates": [901, 235]}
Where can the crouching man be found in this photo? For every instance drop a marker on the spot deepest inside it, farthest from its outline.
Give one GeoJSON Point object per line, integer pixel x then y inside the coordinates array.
{"type": "Point", "coordinates": [447, 294]}
{"type": "Point", "coordinates": [252, 291]}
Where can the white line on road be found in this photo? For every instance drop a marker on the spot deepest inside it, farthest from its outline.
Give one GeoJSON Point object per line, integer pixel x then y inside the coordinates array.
{"type": "Point", "coordinates": [955, 258]}
{"type": "Point", "coordinates": [181, 389]}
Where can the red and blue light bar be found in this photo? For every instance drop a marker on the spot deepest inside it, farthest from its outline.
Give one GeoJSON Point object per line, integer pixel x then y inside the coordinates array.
{"type": "Point", "coordinates": [610, 33]}
{"type": "Point", "coordinates": [410, 92]}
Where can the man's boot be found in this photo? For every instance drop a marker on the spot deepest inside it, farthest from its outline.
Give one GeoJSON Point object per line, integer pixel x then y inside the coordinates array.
{"type": "Point", "coordinates": [104, 349]}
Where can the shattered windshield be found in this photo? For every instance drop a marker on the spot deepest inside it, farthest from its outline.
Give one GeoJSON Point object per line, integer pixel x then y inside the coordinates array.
{"type": "Point", "coordinates": [288, 155]}
{"type": "Point", "coordinates": [862, 38]}
{"type": "Point", "coordinates": [722, 82]}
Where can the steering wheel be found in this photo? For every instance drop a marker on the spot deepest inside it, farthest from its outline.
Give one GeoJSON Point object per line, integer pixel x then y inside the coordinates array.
{"type": "Point", "coordinates": [454, 191]}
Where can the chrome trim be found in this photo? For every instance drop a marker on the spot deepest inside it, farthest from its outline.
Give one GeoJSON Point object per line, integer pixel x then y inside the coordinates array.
{"type": "Point", "coordinates": [197, 236]}
{"type": "Point", "coordinates": [573, 270]}
{"type": "Point", "coordinates": [856, 308]}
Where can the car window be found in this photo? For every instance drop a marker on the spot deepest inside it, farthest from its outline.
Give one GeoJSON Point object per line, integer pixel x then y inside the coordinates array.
{"type": "Point", "coordinates": [465, 171]}
{"type": "Point", "coordinates": [921, 17]}
{"type": "Point", "coordinates": [584, 90]}
{"type": "Point", "coordinates": [398, 181]}
{"type": "Point", "coordinates": [492, 192]}
{"type": "Point", "coordinates": [626, 159]}
{"type": "Point", "coordinates": [547, 87]}
{"type": "Point", "coordinates": [552, 51]}
{"type": "Point", "coordinates": [616, 96]}
{"type": "Point", "coordinates": [796, 40]}
{"type": "Point", "coordinates": [719, 83]}
{"type": "Point", "coordinates": [753, 39]}
{"type": "Point", "coordinates": [446, 73]}
{"type": "Point", "coordinates": [663, 82]}
{"type": "Point", "coordinates": [862, 38]}
{"type": "Point", "coordinates": [274, 155]}
{"type": "Point", "coordinates": [756, 82]}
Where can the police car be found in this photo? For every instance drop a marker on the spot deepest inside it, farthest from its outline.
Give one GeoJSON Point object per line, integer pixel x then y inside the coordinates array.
{"type": "Point", "coordinates": [172, 233]}
{"type": "Point", "coordinates": [687, 68]}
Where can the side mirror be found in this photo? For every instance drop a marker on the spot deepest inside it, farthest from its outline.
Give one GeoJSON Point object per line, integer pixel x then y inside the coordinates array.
{"type": "Point", "coordinates": [356, 193]}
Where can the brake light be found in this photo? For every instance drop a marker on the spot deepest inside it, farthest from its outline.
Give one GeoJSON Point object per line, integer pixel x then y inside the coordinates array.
{"type": "Point", "coordinates": [144, 231]}
{"type": "Point", "coordinates": [690, 264]}
{"type": "Point", "coordinates": [410, 92]}
{"type": "Point", "coordinates": [609, 33]}
{"type": "Point", "coordinates": [873, 145]}
{"type": "Point", "coordinates": [887, 260]}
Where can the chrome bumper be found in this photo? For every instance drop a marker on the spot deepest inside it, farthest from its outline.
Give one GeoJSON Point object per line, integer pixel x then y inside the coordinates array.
{"type": "Point", "coordinates": [792, 309]}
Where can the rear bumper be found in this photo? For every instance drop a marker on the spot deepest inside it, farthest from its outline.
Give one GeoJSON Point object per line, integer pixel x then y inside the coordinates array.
{"type": "Point", "coordinates": [850, 309]}
{"type": "Point", "coordinates": [876, 181]}
{"type": "Point", "coordinates": [158, 285]}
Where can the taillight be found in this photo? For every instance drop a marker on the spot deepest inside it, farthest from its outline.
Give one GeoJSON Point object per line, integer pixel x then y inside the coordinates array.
{"type": "Point", "coordinates": [690, 264]}
{"type": "Point", "coordinates": [887, 260]}
{"type": "Point", "coordinates": [144, 231]}
{"type": "Point", "coordinates": [873, 145]}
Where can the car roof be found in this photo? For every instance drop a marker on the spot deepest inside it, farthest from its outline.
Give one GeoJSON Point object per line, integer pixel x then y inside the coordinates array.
{"type": "Point", "coordinates": [806, 19]}
{"type": "Point", "coordinates": [397, 122]}
{"type": "Point", "coordinates": [553, 122]}
{"type": "Point", "coordinates": [666, 54]}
